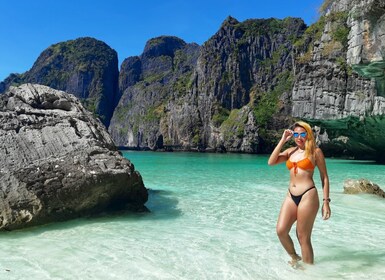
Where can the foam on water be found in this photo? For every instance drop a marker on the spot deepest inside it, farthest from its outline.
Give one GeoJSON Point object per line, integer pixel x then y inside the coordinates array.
{"type": "Point", "coordinates": [212, 217]}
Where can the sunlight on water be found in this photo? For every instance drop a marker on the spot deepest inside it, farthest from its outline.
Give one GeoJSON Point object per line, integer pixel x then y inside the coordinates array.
{"type": "Point", "coordinates": [212, 217]}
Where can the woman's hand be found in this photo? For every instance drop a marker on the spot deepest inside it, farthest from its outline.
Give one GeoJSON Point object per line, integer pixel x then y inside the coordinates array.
{"type": "Point", "coordinates": [277, 156]}
{"type": "Point", "coordinates": [287, 134]}
{"type": "Point", "coordinates": [326, 212]}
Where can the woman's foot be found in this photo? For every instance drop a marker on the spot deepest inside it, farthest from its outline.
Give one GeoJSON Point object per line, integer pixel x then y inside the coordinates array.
{"type": "Point", "coordinates": [294, 260]}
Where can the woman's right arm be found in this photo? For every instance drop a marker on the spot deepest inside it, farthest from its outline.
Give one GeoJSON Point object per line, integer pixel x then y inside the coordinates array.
{"type": "Point", "coordinates": [277, 156]}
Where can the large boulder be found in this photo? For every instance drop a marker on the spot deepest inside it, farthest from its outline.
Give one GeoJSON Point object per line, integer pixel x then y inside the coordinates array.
{"type": "Point", "coordinates": [362, 186]}
{"type": "Point", "coordinates": [58, 161]}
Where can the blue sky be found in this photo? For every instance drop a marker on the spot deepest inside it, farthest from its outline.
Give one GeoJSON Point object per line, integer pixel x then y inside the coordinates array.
{"type": "Point", "coordinates": [28, 27]}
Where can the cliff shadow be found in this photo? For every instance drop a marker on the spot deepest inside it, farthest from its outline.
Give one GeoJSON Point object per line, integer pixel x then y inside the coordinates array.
{"type": "Point", "coordinates": [161, 205]}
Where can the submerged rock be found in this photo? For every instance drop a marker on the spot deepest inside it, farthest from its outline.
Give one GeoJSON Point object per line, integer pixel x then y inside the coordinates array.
{"type": "Point", "coordinates": [362, 186]}
{"type": "Point", "coordinates": [58, 162]}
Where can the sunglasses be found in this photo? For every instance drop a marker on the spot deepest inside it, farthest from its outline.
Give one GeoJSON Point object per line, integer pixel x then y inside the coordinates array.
{"type": "Point", "coordinates": [302, 134]}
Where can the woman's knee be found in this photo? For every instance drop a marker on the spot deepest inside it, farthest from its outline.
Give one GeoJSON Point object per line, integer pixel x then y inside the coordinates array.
{"type": "Point", "coordinates": [303, 238]}
{"type": "Point", "coordinates": [282, 231]}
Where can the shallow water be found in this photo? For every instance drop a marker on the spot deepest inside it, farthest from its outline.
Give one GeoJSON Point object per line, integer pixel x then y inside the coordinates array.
{"type": "Point", "coordinates": [212, 217]}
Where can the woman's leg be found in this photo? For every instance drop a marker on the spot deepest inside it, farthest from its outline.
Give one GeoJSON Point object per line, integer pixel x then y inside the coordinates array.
{"type": "Point", "coordinates": [286, 219]}
{"type": "Point", "coordinates": [307, 211]}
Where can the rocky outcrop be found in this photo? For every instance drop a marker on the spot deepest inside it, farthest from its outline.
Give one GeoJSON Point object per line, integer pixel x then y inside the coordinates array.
{"type": "Point", "coordinates": [326, 87]}
{"type": "Point", "coordinates": [150, 85]}
{"type": "Point", "coordinates": [58, 162]}
{"type": "Point", "coordinates": [85, 67]}
{"type": "Point", "coordinates": [339, 85]}
{"type": "Point", "coordinates": [366, 52]}
{"type": "Point", "coordinates": [248, 81]}
{"type": "Point", "coordinates": [366, 38]}
{"type": "Point", "coordinates": [212, 97]}
{"type": "Point", "coordinates": [362, 186]}
{"type": "Point", "coordinates": [241, 74]}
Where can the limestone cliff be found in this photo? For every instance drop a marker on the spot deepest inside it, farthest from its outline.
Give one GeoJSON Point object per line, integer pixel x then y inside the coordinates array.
{"type": "Point", "coordinates": [247, 82]}
{"type": "Point", "coordinates": [85, 67]}
{"type": "Point", "coordinates": [326, 86]}
{"type": "Point", "coordinates": [254, 77]}
{"type": "Point", "coordinates": [340, 77]}
{"type": "Point", "coordinates": [149, 84]}
{"type": "Point", "coordinates": [58, 162]}
{"type": "Point", "coordinates": [212, 97]}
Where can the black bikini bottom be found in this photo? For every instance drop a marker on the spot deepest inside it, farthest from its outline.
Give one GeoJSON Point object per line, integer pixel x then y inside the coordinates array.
{"type": "Point", "coordinates": [297, 198]}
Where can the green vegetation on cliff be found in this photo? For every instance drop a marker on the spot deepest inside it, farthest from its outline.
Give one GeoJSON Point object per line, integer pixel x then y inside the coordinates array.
{"type": "Point", "coordinates": [339, 32]}
{"type": "Point", "coordinates": [234, 125]}
{"type": "Point", "coordinates": [85, 67]}
{"type": "Point", "coordinates": [221, 114]}
{"type": "Point", "coordinates": [325, 6]}
{"type": "Point", "coordinates": [263, 27]}
{"type": "Point", "coordinates": [304, 43]}
{"type": "Point", "coordinates": [267, 104]}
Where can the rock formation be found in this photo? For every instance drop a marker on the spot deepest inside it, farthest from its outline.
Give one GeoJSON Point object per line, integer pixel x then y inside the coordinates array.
{"type": "Point", "coordinates": [151, 85]}
{"type": "Point", "coordinates": [362, 186]}
{"type": "Point", "coordinates": [339, 83]}
{"type": "Point", "coordinates": [239, 89]}
{"type": "Point", "coordinates": [58, 162]}
{"type": "Point", "coordinates": [212, 97]}
{"type": "Point", "coordinates": [85, 67]}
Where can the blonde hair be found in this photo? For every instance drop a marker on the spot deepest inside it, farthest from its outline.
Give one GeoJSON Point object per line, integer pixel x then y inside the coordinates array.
{"type": "Point", "coordinates": [310, 141]}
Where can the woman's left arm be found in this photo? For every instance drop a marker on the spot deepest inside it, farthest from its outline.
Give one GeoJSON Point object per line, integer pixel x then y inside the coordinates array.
{"type": "Point", "coordinates": [321, 164]}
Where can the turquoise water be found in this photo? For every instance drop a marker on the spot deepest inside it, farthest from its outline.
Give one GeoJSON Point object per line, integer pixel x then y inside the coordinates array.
{"type": "Point", "coordinates": [212, 217]}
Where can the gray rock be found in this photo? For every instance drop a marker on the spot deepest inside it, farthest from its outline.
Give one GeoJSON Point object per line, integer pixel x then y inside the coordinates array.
{"type": "Point", "coordinates": [342, 80]}
{"type": "Point", "coordinates": [58, 162]}
{"type": "Point", "coordinates": [362, 186]}
{"type": "Point", "coordinates": [149, 84]}
{"type": "Point", "coordinates": [202, 97]}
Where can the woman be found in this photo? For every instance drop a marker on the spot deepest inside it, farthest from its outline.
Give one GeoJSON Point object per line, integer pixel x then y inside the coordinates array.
{"type": "Point", "coordinates": [301, 203]}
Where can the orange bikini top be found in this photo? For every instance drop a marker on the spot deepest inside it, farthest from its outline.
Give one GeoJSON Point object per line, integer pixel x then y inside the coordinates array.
{"type": "Point", "coordinates": [304, 164]}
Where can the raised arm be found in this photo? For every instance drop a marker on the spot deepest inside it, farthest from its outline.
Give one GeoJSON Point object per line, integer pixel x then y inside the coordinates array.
{"type": "Point", "coordinates": [277, 156]}
{"type": "Point", "coordinates": [321, 164]}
